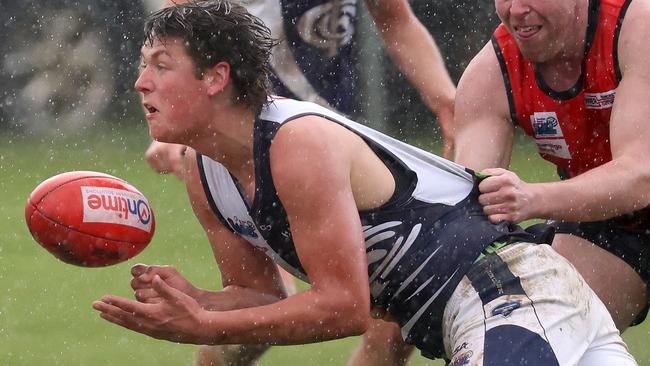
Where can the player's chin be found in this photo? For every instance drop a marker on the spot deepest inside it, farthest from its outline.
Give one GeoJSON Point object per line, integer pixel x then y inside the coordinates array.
{"type": "Point", "coordinates": [158, 133]}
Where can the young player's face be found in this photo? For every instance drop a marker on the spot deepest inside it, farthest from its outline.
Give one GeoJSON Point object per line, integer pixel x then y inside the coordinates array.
{"type": "Point", "coordinates": [175, 102]}
{"type": "Point", "coordinates": [543, 29]}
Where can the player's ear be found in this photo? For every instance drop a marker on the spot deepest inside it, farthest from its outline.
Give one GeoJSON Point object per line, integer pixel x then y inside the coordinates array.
{"type": "Point", "coordinates": [217, 78]}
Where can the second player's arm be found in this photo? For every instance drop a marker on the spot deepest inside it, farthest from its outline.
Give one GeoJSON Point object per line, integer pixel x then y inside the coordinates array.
{"type": "Point", "coordinates": [412, 48]}
{"type": "Point", "coordinates": [483, 128]}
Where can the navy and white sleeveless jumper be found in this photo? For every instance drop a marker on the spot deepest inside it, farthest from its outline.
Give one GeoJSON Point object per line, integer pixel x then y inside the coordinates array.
{"type": "Point", "coordinates": [419, 244]}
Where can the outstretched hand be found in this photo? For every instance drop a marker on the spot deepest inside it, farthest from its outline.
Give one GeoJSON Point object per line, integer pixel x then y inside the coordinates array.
{"type": "Point", "coordinates": [175, 317]}
{"type": "Point", "coordinates": [505, 197]}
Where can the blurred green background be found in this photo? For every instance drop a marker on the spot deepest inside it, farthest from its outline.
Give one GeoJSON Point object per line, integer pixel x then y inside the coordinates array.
{"type": "Point", "coordinates": [45, 309]}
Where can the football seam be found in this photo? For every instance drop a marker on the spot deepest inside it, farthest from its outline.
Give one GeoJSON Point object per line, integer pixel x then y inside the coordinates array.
{"type": "Point", "coordinates": [75, 229]}
{"type": "Point", "coordinates": [74, 180]}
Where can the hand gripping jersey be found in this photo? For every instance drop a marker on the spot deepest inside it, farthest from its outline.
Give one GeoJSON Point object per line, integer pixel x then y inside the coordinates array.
{"type": "Point", "coordinates": [571, 128]}
{"type": "Point", "coordinates": [419, 244]}
{"type": "Point", "coordinates": [314, 60]}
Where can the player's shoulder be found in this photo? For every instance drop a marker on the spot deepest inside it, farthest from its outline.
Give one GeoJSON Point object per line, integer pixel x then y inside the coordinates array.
{"type": "Point", "coordinates": [312, 132]}
{"type": "Point", "coordinates": [482, 84]}
{"type": "Point", "coordinates": [635, 18]}
{"type": "Point", "coordinates": [302, 122]}
{"type": "Point", "coordinates": [193, 182]}
{"type": "Point", "coordinates": [310, 143]}
{"type": "Point", "coordinates": [484, 66]}
{"type": "Point", "coordinates": [634, 37]}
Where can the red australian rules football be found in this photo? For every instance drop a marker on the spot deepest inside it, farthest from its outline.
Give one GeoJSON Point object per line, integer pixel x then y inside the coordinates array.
{"type": "Point", "coordinates": [89, 219]}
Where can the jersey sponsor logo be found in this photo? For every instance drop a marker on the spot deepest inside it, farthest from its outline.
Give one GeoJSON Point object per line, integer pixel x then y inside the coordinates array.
{"type": "Point", "coordinates": [558, 148]}
{"type": "Point", "coordinates": [329, 26]}
{"type": "Point", "coordinates": [548, 135]}
{"type": "Point", "coordinates": [116, 206]}
{"type": "Point", "coordinates": [603, 100]}
{"type": "Point", "coordinates": [242, 227]}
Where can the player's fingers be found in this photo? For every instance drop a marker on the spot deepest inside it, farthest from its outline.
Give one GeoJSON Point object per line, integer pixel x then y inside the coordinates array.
{"type": "Point", "coordinates": [497, 218]}
{"type": "Point", "coordinates": [491, 198]}
{"type": "Point", "coordinates": [143, 295]}
{"type": "Point", "coordinates": [123, 320]}
{"type": "Point", "coordinates": [111, 302]}
{"type": "Point", "coordinates": [112, 313]}
{"type": "Point", "coordinates": [164, 290]}
{"type": "Point", "coordinates": [153, 300]}
{"type": "Point", "coordinates": [498, 209]}
{"type": "Point", "coordinates": [111, 318]}
{"type": "Point", "coordinates": [147, 276]}
{"type": "Point", "coordinates": [493, 183]}
{"type": "Point", "coordinates": [138, 283]}
{"type": "Point", "coordinates": [139, 269]}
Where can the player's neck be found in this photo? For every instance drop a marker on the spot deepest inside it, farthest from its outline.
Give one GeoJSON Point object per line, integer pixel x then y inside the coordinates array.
{"type": "Point", "coordinates": [562, 70]}
{"type": "Point", "coordinates": [561, 74]}
{"type": "Point", "coordinates": [228, 137]}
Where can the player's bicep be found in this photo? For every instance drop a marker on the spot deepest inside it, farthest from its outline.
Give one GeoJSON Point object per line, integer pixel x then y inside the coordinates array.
{"type": "Point", "coordinates": [629, 130]}
{"type": "Point", "coordinates": [483, 128]}
{"type": "Point", "coordinates": [239, 262]}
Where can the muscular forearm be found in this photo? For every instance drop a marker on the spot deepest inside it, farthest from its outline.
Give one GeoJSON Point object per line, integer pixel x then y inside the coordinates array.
{"type": "Point", "coordinates": [232, 298]}
{"type": "Point", "coordinates": [414, 51]}
{"type": "Point", "coordinates": [482, 145]}
{"type": "Point", "coordinates": [303, 318]}
{"type": "Point", "coordinates": [610, 190]}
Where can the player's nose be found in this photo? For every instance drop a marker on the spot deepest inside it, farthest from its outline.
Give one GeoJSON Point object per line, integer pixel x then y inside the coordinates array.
{"type": "Point", "coordinates": [143, 84]}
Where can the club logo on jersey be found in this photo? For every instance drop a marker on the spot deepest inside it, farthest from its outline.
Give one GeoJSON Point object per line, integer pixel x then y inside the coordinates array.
{"type": "Point", "coordinates": [548, 135]}
{"type": "Point", "coordinates": [603, 100]}
{"type": "Point", "coordinates": [116, 206]}
{"type": "Point", "coordinates": [546, 124]}
{"type": "Point", "coordinates": [329, 26]}
{"type": "Point", "coordinates": [243, 227]}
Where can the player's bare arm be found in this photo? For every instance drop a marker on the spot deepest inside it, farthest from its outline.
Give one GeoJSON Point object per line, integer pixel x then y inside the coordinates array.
{"type": "Point", "coordinates": [484, 129]}
{"type": "Point", "coordinates": [412, 48]}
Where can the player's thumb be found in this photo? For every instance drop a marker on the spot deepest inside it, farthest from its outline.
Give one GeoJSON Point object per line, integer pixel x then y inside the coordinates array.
{"type": "Point", "coordinates": [164, 290]}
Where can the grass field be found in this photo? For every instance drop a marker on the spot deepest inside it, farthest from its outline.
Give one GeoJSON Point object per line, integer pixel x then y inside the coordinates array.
{"type": "Point", "coordinates": [45, 313]}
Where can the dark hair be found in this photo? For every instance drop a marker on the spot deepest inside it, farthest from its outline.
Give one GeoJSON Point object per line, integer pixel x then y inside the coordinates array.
{"type": "Point", "coordinates": [217, 30]}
